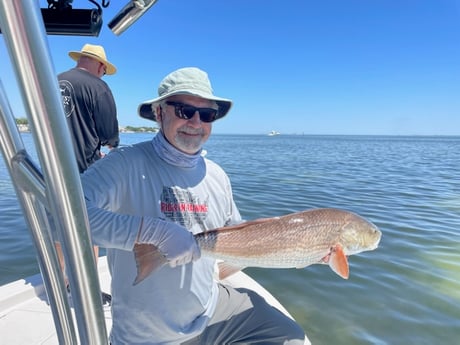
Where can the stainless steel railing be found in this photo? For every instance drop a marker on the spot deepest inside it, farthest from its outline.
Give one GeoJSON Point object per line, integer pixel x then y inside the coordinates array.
{"type": "Point", "coordinates": [53, 190]}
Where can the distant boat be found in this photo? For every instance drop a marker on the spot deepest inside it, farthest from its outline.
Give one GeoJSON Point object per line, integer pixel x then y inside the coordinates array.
{"type": "Point", "coordinates": [273, 133]}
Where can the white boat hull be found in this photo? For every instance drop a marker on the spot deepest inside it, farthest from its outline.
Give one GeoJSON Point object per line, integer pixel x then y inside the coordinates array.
{"type": "Point", "coordinates": [26, 318]}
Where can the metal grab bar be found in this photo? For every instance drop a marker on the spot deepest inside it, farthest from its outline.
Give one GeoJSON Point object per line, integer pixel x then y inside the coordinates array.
{"type": "Point", "coordinates": [56, 187]}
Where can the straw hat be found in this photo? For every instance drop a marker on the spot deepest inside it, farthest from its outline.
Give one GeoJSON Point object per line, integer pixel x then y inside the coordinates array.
{"type": "Point", "coordinates": [185, 81]}
{"type": "Point", "coordinates": [95, 52]}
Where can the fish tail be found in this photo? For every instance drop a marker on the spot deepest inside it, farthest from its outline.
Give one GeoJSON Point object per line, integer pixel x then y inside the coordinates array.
{"type": "Point", "coordinates": [148, 259]}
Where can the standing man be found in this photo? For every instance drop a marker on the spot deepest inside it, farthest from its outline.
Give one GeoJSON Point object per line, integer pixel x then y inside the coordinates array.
{"type": "Point", "coordinates": [90, 110]}
{"type": "Point", "coordinates": [89, 104]}
{"type": "Point", "coordinates": [161, 192]}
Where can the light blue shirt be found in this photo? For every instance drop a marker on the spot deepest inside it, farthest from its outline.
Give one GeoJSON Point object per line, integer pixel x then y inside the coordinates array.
{"type": "Point", "coordinates": [153, 179]}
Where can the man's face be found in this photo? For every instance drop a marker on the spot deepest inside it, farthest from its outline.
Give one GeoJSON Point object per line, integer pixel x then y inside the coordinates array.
{"type": "Point", "coordinates": [186, 135]}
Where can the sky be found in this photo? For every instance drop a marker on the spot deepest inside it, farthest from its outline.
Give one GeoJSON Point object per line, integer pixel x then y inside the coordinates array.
{"type": "Point", "coordinates": [364, 67]}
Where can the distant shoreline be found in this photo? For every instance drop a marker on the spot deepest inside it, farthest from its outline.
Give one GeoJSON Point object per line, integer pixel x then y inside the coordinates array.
{"type": "Point", "coordinates": [128, 129]}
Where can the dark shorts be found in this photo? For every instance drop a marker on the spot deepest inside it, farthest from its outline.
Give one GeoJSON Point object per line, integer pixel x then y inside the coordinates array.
{"type": "Point", "coordinates": [244, 317]}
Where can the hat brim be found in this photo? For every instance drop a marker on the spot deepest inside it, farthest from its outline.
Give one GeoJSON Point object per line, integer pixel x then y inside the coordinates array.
{"type": "Point", "coordinates": [111, 69]}
{"type": "Point", "coordinates": [145, 108]}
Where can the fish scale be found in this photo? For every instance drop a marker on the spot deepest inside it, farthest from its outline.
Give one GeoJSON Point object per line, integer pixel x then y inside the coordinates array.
{"type": "Point", "coordinates": [296, 240]}
{"type": "Point", "coordinates": [306, 238]}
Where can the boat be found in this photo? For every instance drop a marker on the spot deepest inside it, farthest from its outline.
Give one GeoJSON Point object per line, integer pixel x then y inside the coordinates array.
{"type": "Point", "coordinates": [273, 133]}
{"type": "Point", "coordinates": [38, 309]}
{"type": "Point", "coordinates": [25, 302]}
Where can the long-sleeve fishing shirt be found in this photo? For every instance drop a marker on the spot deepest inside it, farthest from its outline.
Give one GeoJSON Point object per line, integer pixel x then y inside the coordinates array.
{"type": "Point", "coordinates": [153, 179]}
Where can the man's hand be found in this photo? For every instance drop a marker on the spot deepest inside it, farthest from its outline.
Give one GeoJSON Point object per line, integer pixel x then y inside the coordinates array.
{"type": "Point", "coordinates": [175, 242]}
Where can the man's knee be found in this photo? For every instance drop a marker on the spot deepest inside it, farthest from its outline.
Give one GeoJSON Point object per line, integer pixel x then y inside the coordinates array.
{"type": "Point", "coordinates": [295, 333]}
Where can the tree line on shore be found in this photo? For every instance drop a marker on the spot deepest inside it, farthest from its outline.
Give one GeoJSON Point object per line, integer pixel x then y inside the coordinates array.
{"type": "Point", "coordinates": [23, 125]}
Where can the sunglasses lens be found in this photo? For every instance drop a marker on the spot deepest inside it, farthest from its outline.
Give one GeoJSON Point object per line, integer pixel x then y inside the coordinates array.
{"type": "Point", "coordinates": [207, 115]}
{"type": "Point", "coordinates": [186, 112]}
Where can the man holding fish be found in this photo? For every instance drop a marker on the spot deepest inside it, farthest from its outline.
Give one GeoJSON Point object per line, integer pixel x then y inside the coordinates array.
{"type": "Point", "coordinates": [161, 193]}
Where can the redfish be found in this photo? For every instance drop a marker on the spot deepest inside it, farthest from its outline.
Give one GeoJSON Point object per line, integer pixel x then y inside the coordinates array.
{"type": "Point", "coordinates": [297, 240]}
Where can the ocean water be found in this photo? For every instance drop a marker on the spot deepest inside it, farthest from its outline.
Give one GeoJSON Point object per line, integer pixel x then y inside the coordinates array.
{"type": "Point", "coordinates": [405, 292]}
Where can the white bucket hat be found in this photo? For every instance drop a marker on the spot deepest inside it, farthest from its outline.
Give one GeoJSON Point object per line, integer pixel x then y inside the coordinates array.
{"type": "Point", "coordinates": [185, 81]}
{"type": "Point", "coordinates": [95, 52]}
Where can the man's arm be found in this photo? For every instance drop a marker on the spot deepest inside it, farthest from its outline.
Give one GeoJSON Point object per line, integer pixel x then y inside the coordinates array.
{"type": "Point", "coordinates": [105, 117]}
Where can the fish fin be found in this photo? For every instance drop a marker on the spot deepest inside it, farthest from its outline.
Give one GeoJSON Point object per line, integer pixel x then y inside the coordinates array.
{"type": "Point", "coordinates": [226, 270]}
{"type": "Point", "coordinates": [148, 259]}
{"type": "Point", "coordinates": [338, 262]}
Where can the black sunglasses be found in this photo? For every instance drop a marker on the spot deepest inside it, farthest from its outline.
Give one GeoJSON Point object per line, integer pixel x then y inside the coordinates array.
{"type": "Point", "coordinates": [186, 112]}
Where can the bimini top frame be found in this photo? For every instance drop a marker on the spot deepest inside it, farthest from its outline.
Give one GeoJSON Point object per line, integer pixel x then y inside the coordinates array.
{"type": "Point", "coordinates": [52, 190]}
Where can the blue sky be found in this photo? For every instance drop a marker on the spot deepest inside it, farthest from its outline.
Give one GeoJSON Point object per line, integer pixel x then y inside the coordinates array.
{"type": "Point", "coordinates": [295, 66]}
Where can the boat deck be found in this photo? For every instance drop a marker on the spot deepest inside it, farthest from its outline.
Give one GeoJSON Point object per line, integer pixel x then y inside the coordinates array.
{"type": "Point", "coordinates": [26, 318]}
{"type": "Point", "coordinates": [25, 315]}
